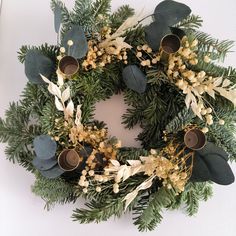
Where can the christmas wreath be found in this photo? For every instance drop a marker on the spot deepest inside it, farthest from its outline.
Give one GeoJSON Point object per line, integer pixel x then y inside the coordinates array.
{"type": "Point", "coordinates": [175, 90]}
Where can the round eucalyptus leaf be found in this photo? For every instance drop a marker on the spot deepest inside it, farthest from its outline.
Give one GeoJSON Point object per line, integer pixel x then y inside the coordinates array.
{"type": "Point", "coordinates": [154, 34]}
{"type": "Point", "coordinates": [44, 147]}
{"type": "Point", "coordinates": [134, 78]}
{"type": "Point", "coordinates": [179, 32]}
{"type": "Point", "coordinates": [52, 173]}
{"type": "Point", "coordinates": [200, 171]}
{"type": "Point", "coordinates": [35, 64]}
{"type": "Point", "coordinates": [212, 148]}
{"type": "Point", "coordinates": [210, 163]}
{"type": "Point", "coordinates": [171, 12]}
{"type": "Point", "coordinates": [57, 17]}
{"type": "Point", "coordinates": [220, 170]}
{"type": "Point", "coordinates": [40, 164]}
{"type": "Point", "coordinates": [80, 45]}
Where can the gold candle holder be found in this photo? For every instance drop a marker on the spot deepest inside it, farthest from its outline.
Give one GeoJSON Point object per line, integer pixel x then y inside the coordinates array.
{"type": "Point", "coordinates": [170, 44]}
{"type": "Point", "coordinates": [68, 66]}
{"type": "Point", "coordinates": [195, 139]}
{"type": "Point", "coordinates": [69, 160]}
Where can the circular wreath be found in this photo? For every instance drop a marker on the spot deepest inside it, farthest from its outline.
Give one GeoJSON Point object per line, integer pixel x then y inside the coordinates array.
{"type": "Point", "coordinates": [174, 88]}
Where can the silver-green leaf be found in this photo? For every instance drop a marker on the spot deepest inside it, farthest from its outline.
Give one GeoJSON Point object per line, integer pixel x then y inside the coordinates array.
{"type": "Point", "coordinates": [134, 78]}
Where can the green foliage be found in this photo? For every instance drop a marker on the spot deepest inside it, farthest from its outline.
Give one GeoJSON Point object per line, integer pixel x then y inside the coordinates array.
{"type": "Point", "coordinates": [193, 194]}
{"type": "Point", "coordinates": [127, 153]}
{"type": "Point", "coordinates": [16, 131]}
{"type": "Point", "coordinates": [102, 7]}
{"type": "Point", "coordinates": [50, 51]}
{"type": "Point", "coordinates": [216, 48]}
{"type": "Point", "coordinates": [53, 191]}
{"type": "Point", "coordinates": [122, 14]}
{"type": "Point", "coordinates": [191, 23]}
{"type": "Point", "coordinates": [149, 216]}
{"type": "Point", "coordinates": [99, 211]}
{"type": "Point", "coordinates": [181, 120]}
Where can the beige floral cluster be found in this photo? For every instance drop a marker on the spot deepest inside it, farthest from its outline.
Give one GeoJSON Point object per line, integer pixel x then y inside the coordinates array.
{"type": "Point", "coordinates": [146, 56]}
{"type": "Point", "coordinates": [101, 53]}
{"type": "Point", "coordinates": [196, 84]}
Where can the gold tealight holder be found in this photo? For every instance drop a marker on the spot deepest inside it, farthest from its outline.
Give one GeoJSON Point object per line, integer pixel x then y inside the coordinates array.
{"type": "Point", "coordinates": [195, 139]}
{"type": "Point", "coordinates": [69, 160]}
{"type": "Point", "coordinates": [170, 44]}
{"type": "Point", "coordinates": [68, 66]}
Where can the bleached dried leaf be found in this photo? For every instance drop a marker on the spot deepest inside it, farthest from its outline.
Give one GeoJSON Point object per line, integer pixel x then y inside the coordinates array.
{"type": "Point", "coordinates": [218, 81]}
{"type": "Point", "coordinates": [134, 162]}
{"type": "Point", "coordinates": [58, 104]}
{"type": "Point", "coordinates": [228, 94]}
{"type": "Point", "coordinates": [54, 90]}
{"type": "Point", "coordinates": [66, 94]}
{"type": "Point", "coordinates": [127, 173]}
{"type": "Point", "coordinates": [226, 83]}
{"type": "Point", "coordinates": [146, 184]}
{"type": "Point", "coordinates": [137, 169]}
{"type": "Point", "coordinates": [119, 42]}
{"type": "Point", "coordinates": [189, 99]}
{"type": "Point", "coordinates": [46, 80]}
{"type": "Point", "coordinates": [60, 79]}
{"type": "Point", "coordinates": [115, 163]}
{"type": "Point", "coordinates": [130, 197]}
{"type": "Point", "coordinates": [195, 109]}
{"type": "Point", "coordinates": [211, 92]}
{"type": "Point", "coordinates": [78, 115]}
{"type": "Point", "coordinates": [69, 111]}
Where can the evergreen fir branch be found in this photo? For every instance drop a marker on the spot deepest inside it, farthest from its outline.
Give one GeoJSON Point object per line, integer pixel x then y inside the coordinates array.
{"type": "Point", "coordinates": [50, 51]}
{"type": "Point", "coordinates": [194, 193]}
{"type": "Point", "coordinates": [53, 191]}
{"type": "Point", "coordinates": [127, 153]}
{"type": "Point", "coordinates": [47, 119]}
{"type": "Point", "coordinates": [34, 98]}
{"type": "Point", "coordinates": [101, 7]}
{"type": "Point", "coordinates": [82, 15]}
{"type": "Point", "coordinates": [150, 217]}
{"type": "Point", "coordinates": [99, 211]}
{"type": "Point", "coordinates": [216, 70]}
{"type": "Point", "coordinates": [191, 23]}
{"type": "Point", "coordinates": [209, 45]}
{"type": "Point", "coordinates": [17, 132]}
{"type": "Point", "coordinates": [118, 17]}
{"type": "Point", "coordinates": [181, 120]}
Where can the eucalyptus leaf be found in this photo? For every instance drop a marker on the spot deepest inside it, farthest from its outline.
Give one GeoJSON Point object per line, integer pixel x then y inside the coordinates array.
{"type": "Point", "coordinates": [57, 17]}
{"type": "Point", "coordinates": [44, 147]}
{"type": "Point", "coordinates": [80, 45]}
{"type": "Point", "coordinates": [40, 164]}
{"type": "Point", "coordinates": [171, 12]}
{"type": "Point", "coordinates": [210, 163]}
{"type": "Point", "coordinates": [35, 64]}
{"type": "Point", "coordinates": [134, 78]}
{"type": "Point", "coordinates": [179, 32]}
{"type": "Point", "coordinates": [155, 32]}
{"type": "Point", "coordinates": [52, 173]}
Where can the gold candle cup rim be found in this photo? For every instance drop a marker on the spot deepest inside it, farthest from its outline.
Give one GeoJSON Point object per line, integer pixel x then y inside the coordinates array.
{"type": "Point", "coordinates": [63, 154]}
{"type": "Point", "coordinates": [170, 35]}
{"type": "Point", "coordinates": [201, 139]}
{"type": "Point", "coordinates": [60, 65]}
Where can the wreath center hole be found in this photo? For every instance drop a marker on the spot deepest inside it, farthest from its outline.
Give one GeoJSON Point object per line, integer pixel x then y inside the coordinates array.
{"type": "Point", "coordinates": [110, 111]}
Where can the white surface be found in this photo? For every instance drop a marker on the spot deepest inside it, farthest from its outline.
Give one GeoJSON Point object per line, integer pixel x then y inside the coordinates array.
{"type": "Point", "coordinates": [21, 213]}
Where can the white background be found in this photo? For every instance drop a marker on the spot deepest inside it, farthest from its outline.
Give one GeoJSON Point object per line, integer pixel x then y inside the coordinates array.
{"type": "Point", "coordinates": [21, 213]}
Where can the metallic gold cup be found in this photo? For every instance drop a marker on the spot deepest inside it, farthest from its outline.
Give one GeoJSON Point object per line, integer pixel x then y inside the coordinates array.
{"type": "Point", "coordinates": [195, 139]}
{"type": "Point", "coordinates": [169, 44]}
{"type": "Point", "coordinates": [68, 66]}
{"type": "Point", "coordinates": [69, 160]}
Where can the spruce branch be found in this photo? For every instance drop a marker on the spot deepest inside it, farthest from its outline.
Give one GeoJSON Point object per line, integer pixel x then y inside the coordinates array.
{"type": "Point", "coordinates": [209, 45]}
{"type": "Point", "coordinates": [150, 217]}
{"type": "Point", "coordinates": [53, 191]}
{"type": "Point", "coordinates": [191, 23]}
